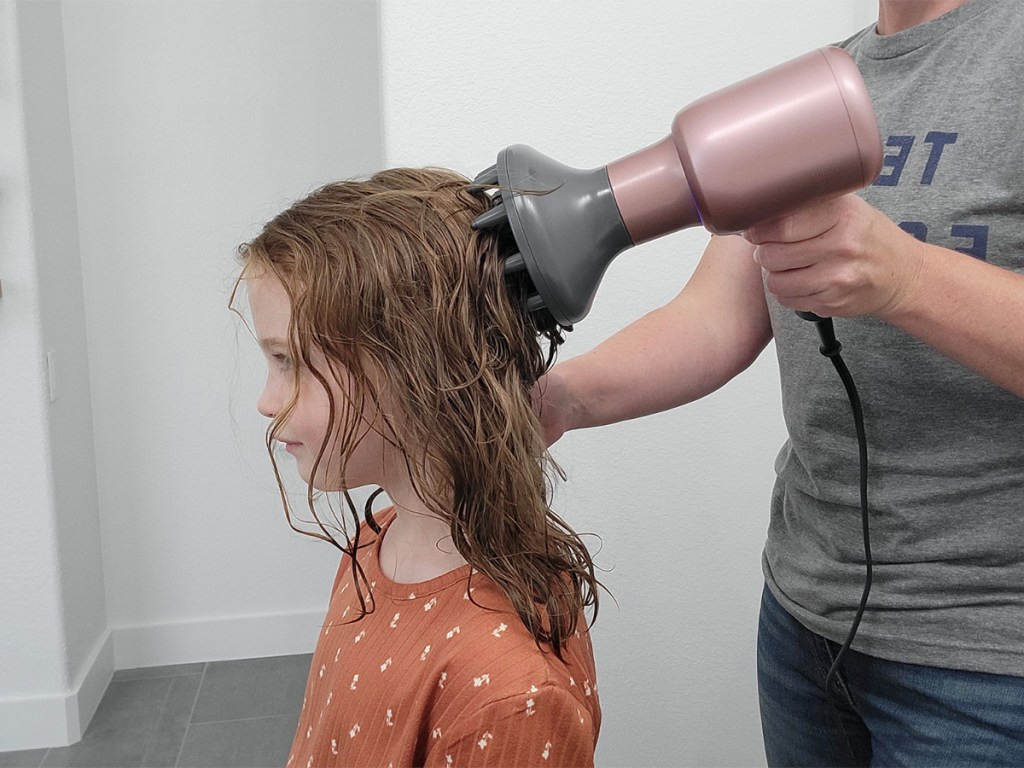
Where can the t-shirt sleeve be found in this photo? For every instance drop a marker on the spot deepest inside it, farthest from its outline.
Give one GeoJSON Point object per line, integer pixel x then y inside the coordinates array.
{"type": "Point", "coordinates": [546, 727]}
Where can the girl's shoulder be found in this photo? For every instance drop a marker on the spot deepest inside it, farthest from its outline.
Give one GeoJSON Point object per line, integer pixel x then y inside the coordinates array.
{"type": "Point", "coordinates": [489, 649]}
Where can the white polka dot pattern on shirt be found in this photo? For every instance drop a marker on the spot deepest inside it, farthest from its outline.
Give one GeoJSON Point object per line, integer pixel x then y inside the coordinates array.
{"type": "Point", "coordinates": [388, 718]}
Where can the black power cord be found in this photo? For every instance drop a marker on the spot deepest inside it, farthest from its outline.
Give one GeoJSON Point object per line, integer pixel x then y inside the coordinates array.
{"type": "Point", "coordinates": [831, 348]}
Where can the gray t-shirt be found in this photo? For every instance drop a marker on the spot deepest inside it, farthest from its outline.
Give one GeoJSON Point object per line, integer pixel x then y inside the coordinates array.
{"type": "Point", "coordinates": [946, 447]}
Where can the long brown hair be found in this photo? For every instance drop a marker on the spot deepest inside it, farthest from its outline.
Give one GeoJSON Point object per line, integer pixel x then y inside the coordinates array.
{"type": "Point", "coordinates": [386, 275]}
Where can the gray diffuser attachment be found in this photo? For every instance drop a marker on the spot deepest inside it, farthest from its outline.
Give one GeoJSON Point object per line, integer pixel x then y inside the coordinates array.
{"type": "Point", "coordinates": [566, 225]}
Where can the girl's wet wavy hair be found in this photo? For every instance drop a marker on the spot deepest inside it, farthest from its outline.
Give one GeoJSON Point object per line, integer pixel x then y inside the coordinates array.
{"type": "Point", "coordinates": [387, 279]}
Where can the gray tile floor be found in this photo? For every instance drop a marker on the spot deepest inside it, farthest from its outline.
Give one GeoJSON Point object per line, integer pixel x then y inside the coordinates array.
{"type": "Point", "coordinates": [219, 714]}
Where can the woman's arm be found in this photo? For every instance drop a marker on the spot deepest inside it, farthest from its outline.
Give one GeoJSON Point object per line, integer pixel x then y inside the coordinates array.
{"type": "Point", "coordinates": [714, 329]}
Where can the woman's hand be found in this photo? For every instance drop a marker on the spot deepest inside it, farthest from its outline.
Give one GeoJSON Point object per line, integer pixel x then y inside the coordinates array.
{"type": "Point", "coordinates": [551, 404]}
{"type": "Point", "coordinates": [837, 258]}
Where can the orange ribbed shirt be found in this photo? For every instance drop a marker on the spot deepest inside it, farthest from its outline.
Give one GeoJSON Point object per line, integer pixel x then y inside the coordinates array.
{"type": "Point", "coordinates": [431, 678]}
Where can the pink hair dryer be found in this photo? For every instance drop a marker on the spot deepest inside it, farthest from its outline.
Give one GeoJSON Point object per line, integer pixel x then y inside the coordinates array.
{"type": "Point", "coordinates": [800, 131]}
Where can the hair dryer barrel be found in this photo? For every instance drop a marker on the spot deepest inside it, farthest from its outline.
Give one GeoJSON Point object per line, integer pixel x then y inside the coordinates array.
{"type": "Point", "coordinates": [800, 131]}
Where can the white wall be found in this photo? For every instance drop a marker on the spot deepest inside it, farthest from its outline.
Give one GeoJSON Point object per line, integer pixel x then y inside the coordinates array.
{"type": "Point", "coordinates": [141, 142]}
{"type": "Point", "coordinates": [679, 500]}
{"type": "Point", "coordinates": [55, 653]}
{"type": "Point", "coordinates": [193, 124]}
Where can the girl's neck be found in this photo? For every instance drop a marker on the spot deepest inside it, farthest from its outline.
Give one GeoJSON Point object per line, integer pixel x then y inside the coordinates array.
{"type": "Point", "coordinates": [417, 546]}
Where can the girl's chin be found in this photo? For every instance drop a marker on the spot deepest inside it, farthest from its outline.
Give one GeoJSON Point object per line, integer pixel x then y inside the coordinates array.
{"type": "Point", "coordinates": [335, 486]}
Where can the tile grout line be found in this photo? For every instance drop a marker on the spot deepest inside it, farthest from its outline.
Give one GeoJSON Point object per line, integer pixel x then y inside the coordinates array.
{"type": "Point", "coordinates": [160, 712]}
{"type": "Point", "coordinates": [246, 719]}
{"type": "Point", "coordinates": [191, 713]}
{"type": "Point", "coordinates": [155, 677]}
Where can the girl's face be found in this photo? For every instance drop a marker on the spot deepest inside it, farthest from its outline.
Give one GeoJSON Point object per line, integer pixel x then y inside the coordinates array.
{"type": "Point", "coordinates": [306, 426]}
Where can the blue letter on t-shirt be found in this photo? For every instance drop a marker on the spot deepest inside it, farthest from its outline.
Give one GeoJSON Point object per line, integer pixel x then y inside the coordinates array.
{"type": "Point", "coordinates": [978, 235]}
{"type": "Point", "coordinates": [938, 140]}
{"type": "Point", "coordinates": [897, 162]}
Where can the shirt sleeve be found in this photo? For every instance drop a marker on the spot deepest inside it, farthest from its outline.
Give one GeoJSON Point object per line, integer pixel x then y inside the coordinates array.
{"type": "Point", "coordinates": [546, 727]}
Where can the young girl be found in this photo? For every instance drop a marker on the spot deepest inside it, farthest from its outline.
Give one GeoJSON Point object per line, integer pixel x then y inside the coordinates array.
{"type": "Point", "coordinates": [400, 356]}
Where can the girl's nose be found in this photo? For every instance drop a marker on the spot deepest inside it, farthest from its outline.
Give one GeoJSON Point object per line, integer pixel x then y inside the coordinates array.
{"type": "Point", "coordinates": [267, 404]}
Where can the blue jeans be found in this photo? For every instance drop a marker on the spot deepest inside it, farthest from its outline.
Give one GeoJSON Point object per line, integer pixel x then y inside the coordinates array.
{"type": "Point", "coordinates": [881, 713]}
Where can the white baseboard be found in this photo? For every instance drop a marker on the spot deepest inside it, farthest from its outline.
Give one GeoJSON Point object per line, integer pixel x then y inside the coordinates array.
{"type": "Point", "coordinates": [59, 720]}
{"type": "Point", "coordinates": [239, 637]}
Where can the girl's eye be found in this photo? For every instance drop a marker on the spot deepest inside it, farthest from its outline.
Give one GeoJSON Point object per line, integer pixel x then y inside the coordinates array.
{"type": "Point", "coordinates": [283, 360]}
